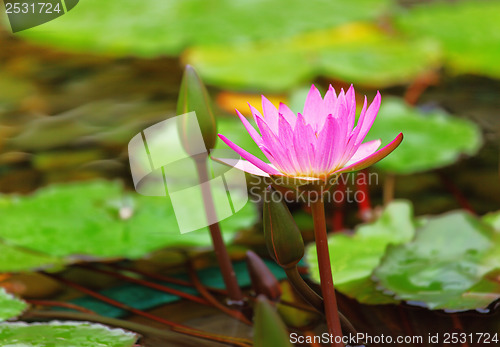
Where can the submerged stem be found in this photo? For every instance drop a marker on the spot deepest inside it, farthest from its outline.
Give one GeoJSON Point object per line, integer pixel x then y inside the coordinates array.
{"type": "Point", "coordinates": [221, 253]}
{"type": "Point", "coordinates": [325, 272]}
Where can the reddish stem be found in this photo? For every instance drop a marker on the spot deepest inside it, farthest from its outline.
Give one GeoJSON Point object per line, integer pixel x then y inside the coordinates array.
{"type": "Point", "coordinates": [365, 206]}
{"type": "Point", "coordinates": [338, 212]}
{"type": "Point", "coordinates": [175, 326]}
{"type": "Point", "coordinates": [51, 303]}
{"type": "Point", "coordinates": [221, 253]}
{"type": "Point", "coordinates": [153, 285]}
{"type": "Point", "coordinates": [325, 272]}
{"type": "Point", "coordinates": [212, 300]}
{"type": "Point", "coordinates": [457, 194]}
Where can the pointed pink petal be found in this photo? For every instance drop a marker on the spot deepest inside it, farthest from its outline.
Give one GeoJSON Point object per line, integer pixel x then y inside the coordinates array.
{"type": "Point", "coordinates": [351, 109]}
{"type": "Point", "coordinates": [352, 146]}
{"type": "Point", "coordinates": [278, 151]}
{"type": "Point", "coordinates": [330, 101]}
{"type": "Point", "coordinates": [364, 150]}
{"type": "Point", "coordinates": [270, 114]}
{"type": "Point", "coordinates": [303, 138]}
{"type": "Point", "coordinates": [375, 157]}
{"type": "Point", "coordinates": [250, 157]}
{"type": "Point", "coordinates": [368, 119]}
{"type": "Point", "coordinates": [242, 165]}
{"type": "Point", "coordinates": [285, 111]}
{"type": "Point", "coordinates": [255, 113]}
{"type": "Point", "coordinates": [251, 130]}
{"type": "Point", "coordinates": [286, 140]}
{"type": "Point", "coordinates": [325, 146]}
{"type": "Point", "coordinates": [313, 107]}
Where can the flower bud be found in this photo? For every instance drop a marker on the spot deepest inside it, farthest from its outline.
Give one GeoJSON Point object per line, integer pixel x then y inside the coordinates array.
{"type": "Point", "coordinates": [283, 238]}
{"type": "Point", "coordinates": [193, 97]}
{"type": "Point", "coordinates": [269, 329]}
{"type": "Point", "coordinates": [263, 280]}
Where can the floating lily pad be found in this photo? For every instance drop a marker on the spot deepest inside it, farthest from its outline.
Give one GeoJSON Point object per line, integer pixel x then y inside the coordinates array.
{"type": "Point", "coordinates": [468, 31]}
{"type": "Point", "coordinates": [444, 267]}
{"type": "Point", "coordinates": [64, 334]}
{"type": "Point", "coordinates": [10, 306]}
{"type": "Point", "coordinates": [96, 219]}
{"type": "Point", "coordinates": [357, 53]}
{"type": "Point", "coordinates": [493, 219]}
{"type": "Point", "coordinates": [355, 257]}
{"type": "Point", "coordinates": [157, 27]}
{"type": "Point", "coordinates": [431, 140]}
{"type": "Point", "coordinates": [15, 259]}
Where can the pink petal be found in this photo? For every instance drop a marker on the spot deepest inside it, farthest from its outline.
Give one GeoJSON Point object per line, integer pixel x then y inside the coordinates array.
{"type": "Point", "coordinates": [352, 145]}
{"type": "Point", "coordinates": [330, 101]}
{"type": "Point", "coordinates": [242, 165]}
{"type": "Point", "coordinates": [250, 157]}
{"type": "Point", "coordinates": [255, 113]}
{"type": "Point", "coordinates": [368, 119]}
{"type": "Point", "coordinates": [373, 158]}
{"type": "Point", "coordinates": [277, 150]}
{"type": "Point", "coordinates": [286, 140]}
{"type": "Point", "coordinates": [270, 114]}
{"type": "Point", "coordinates": [313, 107]}
{"type": "Point", "coordinates": [325, 147]}
{"type": "Point", "coordinates": [285, 111]}
{"type": "Point", "coordinates": [303, 139]}
{"type": "Point", "coordinates": [351, 109]}
{"type": "Point", "coordinates": [364, 150]}
{"type": "Point", "coordinates": [251, 130]}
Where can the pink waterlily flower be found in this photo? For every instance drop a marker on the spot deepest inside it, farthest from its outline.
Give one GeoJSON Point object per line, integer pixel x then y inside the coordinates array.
{"type": "Point", "coordinates": [313, 145]}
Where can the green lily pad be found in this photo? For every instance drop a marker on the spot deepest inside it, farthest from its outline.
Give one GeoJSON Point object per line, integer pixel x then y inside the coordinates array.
{"type": "Point", "coordinates": [64, 334]}
{"type": "Point", "coordinates": [16, 259]}
{"type": "Point", "coordinates": [97, 219]}
{"type": "Point", "coordinates": [493, 219]}
{"type": "Point", "coordinates": [468, 31]}
{"type": "Point", "coordinates": [355, 257]}
{"type": "Point", "coordinates": [431, 140]}
{"type": "Point", "coordinates": [357, 53]}
{"type": "Point", "coordinates": [444, 267]}
{"type": "Point", "coordinates": [10, 306]}
{"type": "Point", "coordinates": [159, 27]}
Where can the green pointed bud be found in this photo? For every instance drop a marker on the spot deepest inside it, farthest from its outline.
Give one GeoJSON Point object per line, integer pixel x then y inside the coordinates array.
{"type": "Point", "coordinates": [283, 238]}
{"type": "Point", "coordinates": [269, 329]}
{"type": "Point", "coordinates": [193, 97]}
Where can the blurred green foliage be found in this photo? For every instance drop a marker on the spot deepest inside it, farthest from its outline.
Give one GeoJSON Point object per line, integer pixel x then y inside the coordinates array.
{"type": "Point", "coordinates": [70, 334]}
{"type": "Point", "coordinates": [10, 307]}
{"type": "Point", "coordinates": [156, 27]}
{"type": "Point", "coordinates": [447, 262]}
{"type": "Point", "coordinates": [97, 219]}
{"type": "Point", "coordinates": [432, 139]}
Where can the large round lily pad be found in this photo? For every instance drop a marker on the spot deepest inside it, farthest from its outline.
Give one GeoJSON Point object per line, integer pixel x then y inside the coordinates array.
{"type": "Point", "coordinates": [467, 31]}
{"type": "Point", "coordinates": [356, 53]}
{"type": "Point", "coordinates": [10, 306]}
{"type": "Point", "coordinates": [431, 139]}
{"type": "Point", "coordinates": [447, 266]}
{"type": "Point", "coordinates": [64, 334]}
{"type": "Point", "coordinates": [157, 27]}
{"type": "Point", "coordinates": [95, 219]}
{"type": "Point", "coordinates": [355, 257]}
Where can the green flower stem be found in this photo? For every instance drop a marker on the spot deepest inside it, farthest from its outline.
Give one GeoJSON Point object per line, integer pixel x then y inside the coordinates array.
{"type": "Point", "coordinates": [325, 271]}
{"type": "Point", "coordinates": [301, 286]}
{"type": "Point", "coordinates": [221, 253]}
